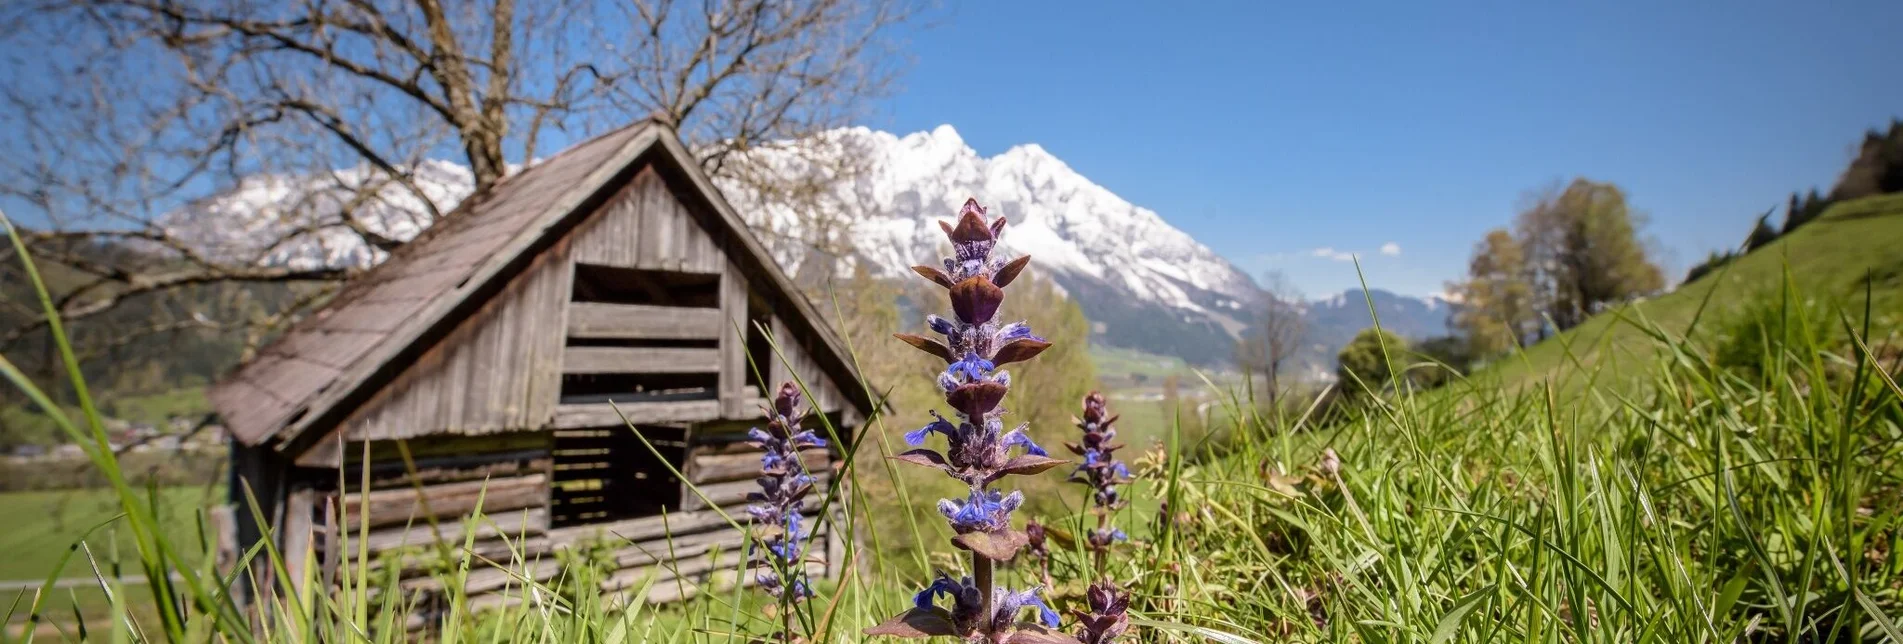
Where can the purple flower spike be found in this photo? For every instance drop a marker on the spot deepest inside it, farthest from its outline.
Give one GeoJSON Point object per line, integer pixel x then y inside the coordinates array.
{"type": "Point", "coordinates": [978, 451]}
{"type": "Point", "coordinates": [1108, 618]}
{"type": "Point", "coordinates": [784, 483]}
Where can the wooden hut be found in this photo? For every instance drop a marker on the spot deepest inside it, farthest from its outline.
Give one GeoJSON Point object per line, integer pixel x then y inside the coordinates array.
{"type": "Point", "coordinates": [480, 361]}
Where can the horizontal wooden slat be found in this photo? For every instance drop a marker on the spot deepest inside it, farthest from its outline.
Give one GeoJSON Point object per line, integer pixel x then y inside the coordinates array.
{"type": "Point", "coordinates": [637, 557]}
{"type": "Point", "coordinates": [720, 468]}
{"type": "Point", "coordinates": [675, 524]}
{"type": "Point", "coordinates": [467, 447]}
{"type": "Point", "coordinates": [603, 414]}
{"type": "Point", "coordinates": [533, 521]}
{"type": "Point", "coordinates": [688, 560]}
{"type": "Point", "coordinates": [664, 590]}
{"type": "Point", "coordinates": [722, 494]}
{"type": "Point", "coordinates": [643, 322]}
{"type": "Point", "coordinates": [453, 469]}
{"type": "Point", "coordinates": [449, 502]}
{"type": "Point", "coordinates": [416, 561]}
{"type": "Point", "coordinates": [584, 360]}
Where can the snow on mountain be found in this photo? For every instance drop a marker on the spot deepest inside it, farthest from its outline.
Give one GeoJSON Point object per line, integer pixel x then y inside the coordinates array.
{"type": "Point", "coordinates": [298, 220]}
{"type": "Point", "coordinates": [1144, 283]}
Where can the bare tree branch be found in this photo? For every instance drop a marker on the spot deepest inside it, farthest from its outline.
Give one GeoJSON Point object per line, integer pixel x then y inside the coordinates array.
{"type": "Point", "coordinates": [170, 146]}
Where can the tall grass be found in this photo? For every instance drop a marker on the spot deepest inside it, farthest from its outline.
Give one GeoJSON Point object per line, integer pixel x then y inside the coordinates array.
{"type": "Point", "coordinates": [1707, 504]}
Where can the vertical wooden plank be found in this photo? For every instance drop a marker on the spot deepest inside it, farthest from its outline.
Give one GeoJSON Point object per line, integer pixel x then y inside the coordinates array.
{"type": "Point", "coordinates": [836, 536]}
{"type": "Point", "coordinates": [733, 344]}
{"type": "Point", "coordinates": [545, 367]}
{"type": "Point", "coordinates": [779, 372]}
{"type": "Point", "coordinates": [297, 536]}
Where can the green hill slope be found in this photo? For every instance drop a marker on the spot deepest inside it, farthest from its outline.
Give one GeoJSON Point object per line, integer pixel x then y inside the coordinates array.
{"type": "Point", "coordinates": [1828, 261]}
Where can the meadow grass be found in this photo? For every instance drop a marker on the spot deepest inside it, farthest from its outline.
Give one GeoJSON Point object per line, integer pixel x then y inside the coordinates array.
{"type": "Point", "coordinates": [1700, 504]}
{"type": "Point", "coordinates": [1828, 260]}
{"type": "Point", "coordinates": [42, 525]}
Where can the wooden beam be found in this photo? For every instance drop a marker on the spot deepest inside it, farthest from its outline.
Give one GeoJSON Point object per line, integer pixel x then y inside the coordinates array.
{"type": "Point", "coordinates": [643, 322]}
{"type": "Point", "coordinates": [451, 469]}
{"type": "Point", "coordinates": [298, 525]}
{"type": "Point", "coordinates": [448, 502]}
{"type": "Point", "coordinates": [733, 345]}
{"type": "Point", "coordinates": [731, 492]}
{"type": "Point", "coordinates": [533, 521]}
{"type": "Point", "coordinates": [720, 468]}
{"type": "Point", "coordinates": [416, 562]}
{"type": "Point", "coordinates": [582, 360]}
{"type": "Point", "coordinates": [603, 414]}
{"type": "Point", "coordinates": [675, 524]}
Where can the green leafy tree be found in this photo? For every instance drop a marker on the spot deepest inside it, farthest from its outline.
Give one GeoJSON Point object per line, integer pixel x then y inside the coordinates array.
{"type": "Point", "coordinates": [1436, 356]}
{"type": "Point", "coordinates": [1584, 253]}
{"type": "Point", "coordinates": [1045, 392]}
{"type": "Point", "coordinates": [1496, 310]}
{"type": "Point", "coordinates": [1362, 367]}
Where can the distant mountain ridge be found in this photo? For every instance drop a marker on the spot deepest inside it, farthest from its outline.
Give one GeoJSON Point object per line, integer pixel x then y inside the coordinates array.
{"type": "Point", "coordinates": [1143, 283]}
{"type": "Point", "coordinates": [1333, 321]}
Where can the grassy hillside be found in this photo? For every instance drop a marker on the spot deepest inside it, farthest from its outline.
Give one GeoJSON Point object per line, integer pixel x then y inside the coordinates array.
{"type": "Point", "coordinates": [47, 524]}
{"type": "Point", "coordinates": [1828, 261]}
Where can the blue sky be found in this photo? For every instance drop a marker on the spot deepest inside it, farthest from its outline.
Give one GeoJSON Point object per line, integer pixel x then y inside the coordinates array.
{"type": "Point", "coordinates": [1271, 130]}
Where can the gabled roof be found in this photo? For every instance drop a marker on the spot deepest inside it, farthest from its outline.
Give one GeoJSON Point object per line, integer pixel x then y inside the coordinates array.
{"type": "Point", "coordinates": [328, 363]}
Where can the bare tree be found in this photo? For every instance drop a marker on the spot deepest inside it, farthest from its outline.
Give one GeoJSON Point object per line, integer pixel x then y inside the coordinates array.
{"type": "Point", "coordinates": [362, 122]}
{"type": "Point", "coordinates": [1275, 334]}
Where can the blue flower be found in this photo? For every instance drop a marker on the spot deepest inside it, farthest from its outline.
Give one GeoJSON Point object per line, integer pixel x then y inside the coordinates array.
{"type": "Point", "coordinates": [785, 549]}
{"type": "Point", "coordinates": [807, 439]}
{"type": "Point", "coordinates": [1013, 332]}
{"type": "Point", "coordinates": [942, 586]}
{"type": "Point", "coordinates": [1018, 438]}
{"type": "Point", "coordinates": [972, 368]}
{"type": "Point", "coordinates": [941, 325]}
{"type": "Point", "coordinates": [771, 582]}
{"type": "Point", "coordinates": [916, 437]}
{"type": "Point", "coordinates": [760, 436]}
{"type": "Point", "coordinates": [983, 511]}
{"type": "Point", "coordinates": [1008, 605]}
{"type": "Point", "coordinates": [966, 601]}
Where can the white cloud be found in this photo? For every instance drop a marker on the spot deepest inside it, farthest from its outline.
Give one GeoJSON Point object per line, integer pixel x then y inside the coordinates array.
{"type": "Point", "coordinates": [1330, 253]}
{"type": "Point", "coordinates": [1391, 249]}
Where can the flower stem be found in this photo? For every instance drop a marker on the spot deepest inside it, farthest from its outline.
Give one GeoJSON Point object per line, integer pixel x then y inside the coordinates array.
{"type": "Point", "coordinates": [981, 575]}
{"type": "Point", "coordinates": [1103, 522]}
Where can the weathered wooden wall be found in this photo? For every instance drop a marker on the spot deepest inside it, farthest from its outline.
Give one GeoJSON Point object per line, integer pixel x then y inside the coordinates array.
{"type": "Point", "coordinates": [408, 513]}
{"type": "Point", "coordinates": [799, 360]}
{"type": "Point", "coordinates": [499, 371]}
{"type": "Point", "coordinates": [483, 417]}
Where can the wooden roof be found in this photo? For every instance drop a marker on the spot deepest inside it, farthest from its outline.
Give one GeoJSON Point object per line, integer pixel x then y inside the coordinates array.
{"type": "Point", "coordinates": [332, 360]}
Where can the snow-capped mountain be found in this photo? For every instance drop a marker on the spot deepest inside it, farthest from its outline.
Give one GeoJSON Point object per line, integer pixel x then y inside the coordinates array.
{"type": "Point", "coordinates": [298, 220]}
{"type": "Point", "coordinates": [1335, 320]}
{"type": "Point", "coordinates": [1143, 283]}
